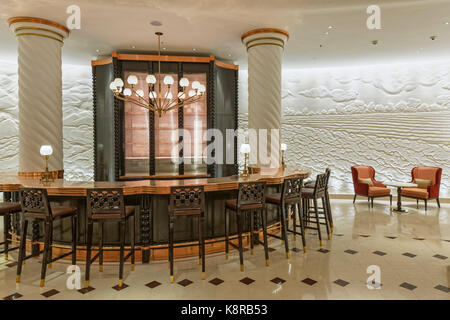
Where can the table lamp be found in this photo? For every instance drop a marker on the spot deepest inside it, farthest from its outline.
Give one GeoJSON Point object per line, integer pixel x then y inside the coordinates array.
{"type": "Point", "coordinates": [46, 151]}
{"type": "Point", "coordinates": [283, 149]}
{"type": "Point", "coordinates": [245, 149]}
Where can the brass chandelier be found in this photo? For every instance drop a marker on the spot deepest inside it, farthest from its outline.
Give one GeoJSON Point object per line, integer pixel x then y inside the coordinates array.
{"type": "Point", "coordinates": [159, 100]}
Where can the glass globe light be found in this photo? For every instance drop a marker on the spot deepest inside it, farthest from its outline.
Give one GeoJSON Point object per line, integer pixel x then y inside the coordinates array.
{"type": "Point", "coordinates": [118, 82]}
{"type": "Point", "coordinates": [181, 95]}
{"type": "Point", "coordinates": [245, 148]}
{"type": "Point", "coordinates": [201, 88]}
{"type": "Point", "coordinates": [151, 79]}
{"type": "Point", "coordinates": [46, 150]}
{"type": "Point", "coordinates": [112, 86]}
{"type": "Point", "coordinates": [152, 95]}
{"type": "Point", "coordinates": [195, 85]}
{"type": "Point", "coordinates": [191, 93]}
{"type": "Point", "coordinates": [127, 92]}
{"type": "Point", "coordinates": [132, 79]}
{"type": "Point", "coordinates": [184, 82]}
{"type": "Point", "coordinates": [168, 80]}
{"type": "Point", "coordinates": [168, 95]}
{"type": "Point", "coordinates": [283, 147]}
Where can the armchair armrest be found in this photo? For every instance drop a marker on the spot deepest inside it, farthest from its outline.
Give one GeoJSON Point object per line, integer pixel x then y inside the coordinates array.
{"type": "Point", "coordinates": [378, 184]}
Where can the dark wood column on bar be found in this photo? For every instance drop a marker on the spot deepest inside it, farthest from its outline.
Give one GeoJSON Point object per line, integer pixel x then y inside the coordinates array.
{"type": "Point", "coordinates": [151, 200]}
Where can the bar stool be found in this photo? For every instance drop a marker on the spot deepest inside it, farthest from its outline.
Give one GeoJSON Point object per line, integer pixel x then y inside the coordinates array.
{"type": "Point", "coordinates": [290, 196]}
{"type": "Point", "coordinates": [187, 201]}
{"type": "Point", "coordinates": [6, 210]}
{"type": "Point", "coordinates": [250, 199]}
{"type": "Point", "coordinates": [35, 205]}
{"type": "Point", "coordinates": [327, 197]}
{"type": "Point", "coordinates": [103, 205]}
{"type": "Point", "coordinates": [314, 194]}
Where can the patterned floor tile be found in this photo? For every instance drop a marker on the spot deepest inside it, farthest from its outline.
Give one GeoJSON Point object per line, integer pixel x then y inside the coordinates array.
{"type": "Point", "coordinates": [272, 249]}
{"type": "Point", "coordinates": [439, 256]}
{"type": "Point", "coordinates": [409, 255]}
{"type": "Point", "coordinates": [185, 282]}
{"type": "Point", "coordinates": [12, 264]}
{"type": "Point", "coordinates": [350, 251]}
{"type": "Point", "coordinates": [124, 286]}
{"type": "Point", "coordinates": [247, 280]}
{"type": "Point", "coordinates": [442, 288]}
{"type": "Point", "coordinates": [408, 286]}
{"type": "Point", "coordinates": [391, 237]}
{"type": "Point", "coordinates": [50, 293]}
{"type": "Point", "coordinates": [323, 250]}
{"type": "Point", "coordinates": [309, 281]}
{"type": "Point", "coordinates": [278, 280]}
{"type": "Point", "coordinates": [380, 253]}
{"type": "Point", "coordinates": [153, 284]}
{"type": "Point", "coordinates": [419, 238]}
{"type": "Point", "coordinates": [364, 235]}
{"type": "Point", "coordinates": [216, 281]}
{"type": "Point", "coordinates": [296, 250]}
{"type": "Point", "coordinates": [86, 290]}
{"type": "Point", "coordinates": [14, 296]}
{"type": "Point", "coordinates": [341, 282]}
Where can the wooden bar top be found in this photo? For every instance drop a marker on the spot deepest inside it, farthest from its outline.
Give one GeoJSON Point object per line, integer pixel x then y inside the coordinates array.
{"type": "Point", "coordinates": [60, 187]}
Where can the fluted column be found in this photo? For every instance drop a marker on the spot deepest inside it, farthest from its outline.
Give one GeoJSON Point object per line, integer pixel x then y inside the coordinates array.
{"type": "Point", "coordinates": [40, 91]}
{"type": "Point", "coordinates": [265, 50]}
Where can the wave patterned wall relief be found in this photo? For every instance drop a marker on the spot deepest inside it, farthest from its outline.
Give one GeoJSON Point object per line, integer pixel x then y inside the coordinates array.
{"type": "Point", "coordinates": [392, 117]}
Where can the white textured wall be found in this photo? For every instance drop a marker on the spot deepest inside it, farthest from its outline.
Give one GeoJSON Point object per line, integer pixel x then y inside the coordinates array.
{"type": "Point", "coordinates": [77, 120]}
{"type": "Point", "coordinates": [392, 117]}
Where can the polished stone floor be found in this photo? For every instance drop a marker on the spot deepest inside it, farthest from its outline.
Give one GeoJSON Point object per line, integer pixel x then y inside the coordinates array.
{"type": "Point", "coordinates": [410, 250]}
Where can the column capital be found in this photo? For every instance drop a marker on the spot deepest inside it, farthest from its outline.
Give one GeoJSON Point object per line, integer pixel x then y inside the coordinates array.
{"type": "Point", "coordinates": [265, 36]}
{"type": "Point", "coordinates": [31, 26]}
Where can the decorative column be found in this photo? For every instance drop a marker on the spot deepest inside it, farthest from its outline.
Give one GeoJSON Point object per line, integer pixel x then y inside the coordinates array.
{"type": "Point", "coordinates": [265, 50]}
{"type": "Point", "coordinates": [40, 92]}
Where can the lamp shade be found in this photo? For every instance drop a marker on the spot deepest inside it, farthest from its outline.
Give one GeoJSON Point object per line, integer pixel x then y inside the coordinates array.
{"type": "Point", "coordinates": [195, 84]}
{"type": "Point", "coordinates": [184, 82]}
{"type": "Point", "coordinates": [118, 82]}
{"type": "Point", "coordinates": [283, 147]}
{"type": "Point", "coordinates": [132, 79]}
{"type": "Point", "coordinates": [245, 148]}
{"type": "Point", "coordinates": [46, 150]}
{"type": "Point", "coordinates": [168, 80]}
{"type": "Point", "coordinates": [151, 79]}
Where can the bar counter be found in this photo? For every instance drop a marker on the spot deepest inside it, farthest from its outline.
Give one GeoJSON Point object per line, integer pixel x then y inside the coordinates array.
{"type": "Point", "coordinates": [151, 200]}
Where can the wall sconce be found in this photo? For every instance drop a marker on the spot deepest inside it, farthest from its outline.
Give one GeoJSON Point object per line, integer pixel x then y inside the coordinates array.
{"type": "Point", "coordinates": [46, 151]}
{"type": "Point", "coordinates": [283, 149]}
{"type": "Point", "coordinates": [245, 149]}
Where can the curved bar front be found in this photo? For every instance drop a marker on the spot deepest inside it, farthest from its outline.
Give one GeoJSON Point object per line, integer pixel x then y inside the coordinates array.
{"type": "Point", "coordinates": [151, 200]}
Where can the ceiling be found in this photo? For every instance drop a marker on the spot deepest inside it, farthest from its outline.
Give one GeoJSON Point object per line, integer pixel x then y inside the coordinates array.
{"type": "Point", "coordinates": [215, 26]}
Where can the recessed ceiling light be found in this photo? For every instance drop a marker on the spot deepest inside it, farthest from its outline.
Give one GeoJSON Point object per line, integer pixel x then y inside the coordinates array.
{"type": "Point", "coordinates": [447, 23]}
{"type": "Point", "coordinates": [193, 49]}
{"type": "Point", "coordinates": [156, 23]}
{"type": "Point", "coordinates": [98, 50]}
{"type": "Point", "coordinates": [164, 48]}
{"type": "Point", "coordinates": [330, 27]}
{"type": "Point", "coordinates": [134, 47]}
{"type": "Point", "coordinates": [229, 54]}
{"type": "Point", "coordinates": [326, 32]}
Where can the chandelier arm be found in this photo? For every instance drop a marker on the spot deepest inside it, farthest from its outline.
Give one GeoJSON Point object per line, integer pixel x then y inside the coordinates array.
{"type": "Point", "coordinates": [184, 103]}
{"type": "Point", "coordinates": [139, 97]}
{"type": "Point", "coordinates": [134, 101]}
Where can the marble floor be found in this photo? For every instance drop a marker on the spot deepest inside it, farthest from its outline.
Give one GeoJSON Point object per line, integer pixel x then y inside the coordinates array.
{"type": "Point", "coordinates": [411, 252]}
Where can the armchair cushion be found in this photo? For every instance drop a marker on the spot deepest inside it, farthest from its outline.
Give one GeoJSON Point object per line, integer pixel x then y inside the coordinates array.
{"type": "Point", "coordinates": [415, 193]}
{"type": "Point", "coordinates": [366, 181]}
{"type": "Point", "coordinates": [422, 183]}
{"type": "Point", "coordinates": [378, 191]}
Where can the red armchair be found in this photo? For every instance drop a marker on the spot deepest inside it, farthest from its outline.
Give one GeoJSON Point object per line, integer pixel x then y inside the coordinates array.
{"type": "Point", "coordinates": [429, 180]}
{"type": "Point", "coordinates": [365, 184]}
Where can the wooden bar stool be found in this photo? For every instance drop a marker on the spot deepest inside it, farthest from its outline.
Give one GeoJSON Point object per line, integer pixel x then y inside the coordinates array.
{"type": "Point", "coordinates": [290, 196]}
{"type": "Point", "coordinates": [250, 199]}
{"type": "Point", "coordinates": [103, 205]}
{"type": "Point", "coordinates": [6, 210]}
{"type": "Point", "coordinates": [318, 192]}
{"type": "Point", "coordinates": [35, 205]}
{"type": "Point", "coordinates": [187, 201]}
{"type": "Point", "coordinates": [311, 184]}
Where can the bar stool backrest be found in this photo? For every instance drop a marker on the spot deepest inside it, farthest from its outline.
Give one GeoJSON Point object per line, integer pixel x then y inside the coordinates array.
{"type": "Point", "coordinates": [105, 201]}
{"type": "Point", "coordinates": [187, 198]}
{"type": "Point", "coordinates": [321, 183]}
{"type": "Point", "coordinates": [251, 193]}
{"type": "Point", "coordinates": [291, 189]}
{"type": "Point", "coordinates": [328, 173]}
{"type": "Point", "coordinates": [35, 200]}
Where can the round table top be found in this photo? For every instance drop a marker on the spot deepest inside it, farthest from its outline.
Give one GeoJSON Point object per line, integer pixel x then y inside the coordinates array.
{"type": "Point", "coordinates": [400, 184]}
